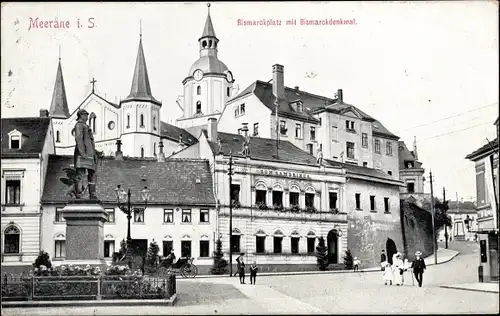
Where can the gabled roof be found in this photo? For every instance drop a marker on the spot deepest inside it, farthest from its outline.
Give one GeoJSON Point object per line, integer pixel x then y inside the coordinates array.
{"type": "Point", "coordinates": [172, 182]}
{"type": "Point", "coordinates": [98, 96]}
{"type": "Point", "coordinates": [483, 150]}
{"type": "Point", "coordinates": [34, 130]}
{"type": "Point", "coordinates": [342, 108]}
{"type": "Point", "coordinates": [59, 105]}
{"type": "Point", "coordinates": [173, 133]}
{"type": "Point", "coordinates": [140, 89]}
{"type": "Point", "coordinates": [362, 171]}
{"type": "Point", "coordinates": [406, 155]}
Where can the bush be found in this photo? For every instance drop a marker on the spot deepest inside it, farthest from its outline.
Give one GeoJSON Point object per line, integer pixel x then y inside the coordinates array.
{"type": "Point", "coordinates": [43, 259]}
{"type": "Point", "coordinates": [152, 256]}
{"type": "Point", "coordinates": [220, 264]}
{"type": "Point", "coordinates": [348, 260]}
{"type": "Point", "coordinates": [321, 254]}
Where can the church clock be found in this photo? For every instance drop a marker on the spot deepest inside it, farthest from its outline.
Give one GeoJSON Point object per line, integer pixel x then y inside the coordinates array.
{"type": "Point", "coordinates": [229, 76]}
{"type": "Point", "coordinates": [198, 74]}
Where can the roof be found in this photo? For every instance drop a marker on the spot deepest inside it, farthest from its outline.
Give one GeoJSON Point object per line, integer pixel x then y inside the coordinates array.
{"type": "Point", "coordinates": [263, 149]}
{"type": "Point", "coordinates": [93, 93]}
{"type": "Point", "coordinates": [378, 128]}
{"type": "Point", "coordinates": [59, 105]}
{"type": "Point", "coordinates": [496, 122]}
{"type": "Point", "coordinates": [406, 155]}
{"type": "Point", "coordinates": [461, 207]}
{"type": "Point", "coordinates": [140, 89]}
{"type": "Point", "coordinates": [484, 150]}
{"type": "Point", "coordinates": [34, 130]}
{"type": "Point", "coordinates": [174, 133]}
{"type": "Point", "coordinates": [359, 170]}
{"type": "Point", "coordinates": [208, 30]}
{"type": "Point", "coordinates": [172, 182]}
{"type": "Point", "coordinates": [208, 64]}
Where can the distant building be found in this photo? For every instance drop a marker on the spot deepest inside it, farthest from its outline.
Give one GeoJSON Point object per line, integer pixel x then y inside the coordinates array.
{"type": "Point", "coordinates": [464, 221]}
{"type": "Point", "coordinates": [410, 170]}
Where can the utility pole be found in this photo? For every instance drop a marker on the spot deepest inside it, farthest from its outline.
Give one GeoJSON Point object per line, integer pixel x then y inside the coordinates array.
{"type": "Point", "coordinates": [433, 224]}
{"type": "Point", "coordinates": [445, 226]}
{"type": "Point", "coordinates": [230, 173]}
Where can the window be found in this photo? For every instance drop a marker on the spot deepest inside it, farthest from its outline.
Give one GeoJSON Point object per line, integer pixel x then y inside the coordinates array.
{"type": "Point", "coordinates": [350, 150]}
{"type": "Point", "coordinates": [235, 243]}
{"type": "Point", "coordinates": [310, 244]}
{"type": "Point", "coordinates": [310, 148]}
{"type": "Point", "coordinates": [278, 198]}
{"type": "Point", "coordinates": [111, 125]}
{"type": "Point", "coordinates": [364, 140]}
{"type": "Point", "coordinates": [186, 248]}
{"type": "Point", "coordinates": [260, 242]}
{"type": "Point", "coordinates": [142, 152]}
{"type": "Point", "coordinates": [58, 139]}
{"type": "Point", "coordinates": [320, 121]}
{"type": "Point", "coordinates": [186, 216]}
{"type": "Point", "coordinates": [228, 91]}
{"type": "Point", "coordinates": [333, 200]}
{"type": "Point", "coordinates": [309, 199]}
{"type": "Point", "coordinates": [59, 215]}
{"type": "Point", "coordinates": [204, 248]}
{"type": "Point", "coordinates": [141, 122]}
{"type": "Point", "coordinates": [15, 142]}
{"type": "Point", "coordinates": [13, 192]}
{"type": "Point", "coordinates": [349, 126]}
{"type": "Point", "coordinates": [198, 90]}
{"type": "Point", "coordinates": [240, 131]}
{"type": "Point", "coordinates": [168, 216]}
{"type": "Point", "coordinates": [111, 215]}
{"type": "Point", "coordinates": [386, 204]}
{"type": "Point", "coordinates": [12, 238]}
{"type": "Point", "coordinates": [358, 201]}
{"type": "Point", "coordinates": [389, 172]}
{"type": "Point", "coordinates": [388, 147]}
{"type": "Point", "coordinates": [313, 133]}
{"type": "Point", "coordinates": [256, 129]}
{"type": "Point", "coordinates": [235, 193]}
{"type": "Point", "coordinates": [365, 164]}
{"type": "Point", "coordinates": [167, 246]}
{"type": "Point", "coordinates": [109, 248]}
{"type": "Point", "coordinates": [260, 196]}
{"type": "Point", "coordinates": [60, 249]}
{"type": "Point", "coordinates": [278, 242]}
{"type": "Point", "coordinates": [295, 244]}
{"type": "Point", "coordinates": [242, 109]}
{"type": "Point", "coordinates": [283, 129]}
{"type": "Point", "coordinates": [198, 107]}
{"type": "Point", "coordinates": [204, 216]}
{"type": "Point", "coordinates": [372, 203]}
{"type": "Point", "coordinates": [298, 131]}
{"type": "Point", "coordinates": [237, 111]}
{"type": "Point", "coordinates": [294, 198]}
{"type": "Point", "coordinates": [154, 149]}
{"type": "Point", "coordinates": [377, 146]}
{"type": "Point", "coordinates": [335, 134]}
{"type": "Point", "coordinates": [154, 122]}
{"type": "Point", "coordinates": [410, 187]}
{"type": "Point", "coordinates": [300, 108]}
{"type": "Point", "coordinates": [128, 120]}
{"type": "Point", "coordinates": [139, 215]}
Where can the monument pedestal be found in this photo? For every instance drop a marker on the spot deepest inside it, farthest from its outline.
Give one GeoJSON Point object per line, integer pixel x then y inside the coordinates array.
{"type": "Point", "coordinates": [85, 233]}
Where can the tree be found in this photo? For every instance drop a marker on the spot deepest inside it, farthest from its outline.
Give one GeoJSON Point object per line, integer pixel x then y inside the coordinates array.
{"type": "Point", "coordinates": [42, 259]}
{"type": "Point", "coordinates": [220, 264]}
{"type": "Point", "coordinates": [348, 260]}
{"type": "Point", "coordinates": [152, 255]}
{"type": "Point", "coordinates": [441, 216]}
{"type": "Point", "coordinates": [321, 255]}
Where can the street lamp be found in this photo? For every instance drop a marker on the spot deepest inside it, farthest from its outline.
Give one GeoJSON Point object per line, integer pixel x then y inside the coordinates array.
{"type": "Point", "coordinates": [123, 199]}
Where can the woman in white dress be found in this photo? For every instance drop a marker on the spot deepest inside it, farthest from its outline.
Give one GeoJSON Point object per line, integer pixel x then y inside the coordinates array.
{"type": "Point", "coordinates": [387, 272]}
{"type": "Point", "coordinates": [397, 265]}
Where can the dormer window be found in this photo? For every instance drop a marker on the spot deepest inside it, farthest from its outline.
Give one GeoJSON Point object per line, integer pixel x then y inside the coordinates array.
{"type": "Point", "coordinates": [15, 139]}
{"type": "Point", "coordinates": [297, 106]}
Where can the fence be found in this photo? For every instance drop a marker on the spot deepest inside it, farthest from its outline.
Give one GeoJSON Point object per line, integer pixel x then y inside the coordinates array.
{"type": "Point", "coordinates": [22, 287]}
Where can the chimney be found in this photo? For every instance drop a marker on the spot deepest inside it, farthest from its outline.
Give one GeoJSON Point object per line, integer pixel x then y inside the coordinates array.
{"type": "Point", "coordinates": [278, 81]}
{"type": "Point", "coordinates": [340, 98]}
{"type": "Point", "coordinates": [296, 88]}
{"type": "Point", "coordinates": [212, 129]}
{"type": "Point", "coordinates": [44, 113]}
{"type": "Point", "coordinates": [161, 155]}
{"type": "Point", "coordinates": [118, 154]}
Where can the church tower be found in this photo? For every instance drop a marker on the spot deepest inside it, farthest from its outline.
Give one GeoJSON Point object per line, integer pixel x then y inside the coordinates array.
{"type": "Point", "coordinates": [209, 84]}
{"type": "Point", "coordinates": [59, 111]}
{"type": "Point", "coordinates": [140, 114]}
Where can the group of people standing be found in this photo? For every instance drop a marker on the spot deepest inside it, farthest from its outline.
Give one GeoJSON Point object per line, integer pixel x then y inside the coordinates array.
{"type": "Point", "coordinates": [241, 270]}
{"type": "Point", "coordinates": [395, 273]}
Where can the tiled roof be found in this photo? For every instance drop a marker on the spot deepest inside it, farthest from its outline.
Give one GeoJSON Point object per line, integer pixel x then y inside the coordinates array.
{"type": "Point", "coordinates": [363, 171]}
{"type": "Point", "coordinates": [171, 182]}
{"type": "Point", "coordinates": [406, 155]}
{"type": "Point", "coordinates": [485, 149]}
{"type": "Point", "coordinates": [263, 149]}
{"type": "Point", "coordinates": [59, 105]}
{"type": "Point", "coordinates": [34, 130]}
{"type": "Point", "coordinates": [173, 133]}
{"type": "Point", "coordinates": [342, 108]}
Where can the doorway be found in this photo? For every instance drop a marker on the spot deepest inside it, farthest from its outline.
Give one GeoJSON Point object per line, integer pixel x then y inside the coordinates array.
{"type": "Point", "coordinates": [391, 249]}
{"type": "Point", "coordinates": [139, 251]}
{"type": "Point", "coordinates": [332, 244]}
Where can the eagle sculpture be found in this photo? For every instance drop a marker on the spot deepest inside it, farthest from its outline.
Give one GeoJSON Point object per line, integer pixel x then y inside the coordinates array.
{"type": "Point", "coordinates": [71, 180]}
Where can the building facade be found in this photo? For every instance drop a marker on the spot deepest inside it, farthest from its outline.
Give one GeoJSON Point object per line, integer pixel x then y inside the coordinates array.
{"type": "Point", "coordinates": [26, 145]}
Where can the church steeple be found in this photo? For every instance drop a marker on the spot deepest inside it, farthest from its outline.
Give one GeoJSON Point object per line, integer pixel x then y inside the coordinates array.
{"type": "Point", "coordinates": [59, 106]}
{"type": "Point", "coordinates": [140, 89]}
{"type": "Point", "coordinates": [208, 41]}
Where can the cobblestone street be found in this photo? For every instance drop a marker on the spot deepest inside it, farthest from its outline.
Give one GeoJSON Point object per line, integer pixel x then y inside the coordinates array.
{"type": "Point", "coordinates": [323, 294]}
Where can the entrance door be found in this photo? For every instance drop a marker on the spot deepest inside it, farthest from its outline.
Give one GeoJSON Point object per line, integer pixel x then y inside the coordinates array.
{"type": "Point", "coordinates": [391, 249]}
{"type": "Point", "coordinates": [139, 250]}
{"type": "Point", "coordinates": [332, 243]}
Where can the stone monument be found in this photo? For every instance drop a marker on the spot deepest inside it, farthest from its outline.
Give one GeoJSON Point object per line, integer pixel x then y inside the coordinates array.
{"type": "Point", "coordinates": [85, 217]}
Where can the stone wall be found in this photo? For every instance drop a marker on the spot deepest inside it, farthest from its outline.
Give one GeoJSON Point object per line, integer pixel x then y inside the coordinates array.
{"type": "Point", "coordinates": [417, 230]}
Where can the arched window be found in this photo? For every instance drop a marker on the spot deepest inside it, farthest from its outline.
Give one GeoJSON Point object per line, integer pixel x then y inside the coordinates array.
{"type": "Point", "coordinates": [228, 91]}
{"type": "Point", "coordinates": [154, 122]}
{"type": "Point", "coordinates": [210, 43]}
{"type": "Point", "coordinates": [142, 152]}
{"type": "Point", "coordinates": [12, 239]}
{"type": "Point", "coordinates": [198, 90]}
{"type": "Point", "coordinates": [154, 149]}
{"type": "Point", "coordinates": [128, 120]}
{"type": "Point", "coordinates": [141, 120]}
{"type": "Point", "coordinates": [58, 139]}
{"type": "Point", "coordinates": [198, 107]}
{"type": "Point", "coordinates": [204, 44]}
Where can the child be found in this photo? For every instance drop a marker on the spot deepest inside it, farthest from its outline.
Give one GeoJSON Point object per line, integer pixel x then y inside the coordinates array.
{"type": "Point", "coordinates": [242, 271]}
{"type": "Point", "coordinates": [253, 272]}
{"type": "Point", "coordinates": [357, 263]}
{"type": "Point", "coordinates": [387, 273]}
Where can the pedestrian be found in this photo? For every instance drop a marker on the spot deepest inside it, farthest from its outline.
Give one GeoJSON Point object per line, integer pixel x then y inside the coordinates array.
{"type": "Point", "coordinates": [387, 273]}
{"type": "Point", "coordinates": [238, 260]}
{"type": "Point", "coordinates": [356, 263]}
{"type": "Point", "coordinates": [397, 265]}
{"type": "Point", "coordinates": [242, 271]}
{"type": "Point", "coordinates": [418, 267]}
{"type": "Point", "coordinates": [253, 272]}
{"type": "Point", "coordinates": [383, 259]}
{"type": "Point", "coordinates": [406, 266]}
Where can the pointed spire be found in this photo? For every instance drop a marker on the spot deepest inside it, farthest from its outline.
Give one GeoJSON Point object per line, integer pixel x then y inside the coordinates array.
{"type": "Point", "coordinates": [208, 31]}
{"type": "Point", "coordinates": [415, 154]}
{"type": "Point", "coordinates": [59, 106]}
{"type": "Point", "coordinates": [140, 89]}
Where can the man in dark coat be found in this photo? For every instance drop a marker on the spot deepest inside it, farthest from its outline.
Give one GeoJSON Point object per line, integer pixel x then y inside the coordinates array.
{"type": "Point", "coordinates": [418, 266]}
{"type": "Point", "coordinates": [85, 156]}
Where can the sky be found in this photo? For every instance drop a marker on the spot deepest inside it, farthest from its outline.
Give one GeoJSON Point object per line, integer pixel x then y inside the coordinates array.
{"type": "Point", "coordinates": [424, 69]}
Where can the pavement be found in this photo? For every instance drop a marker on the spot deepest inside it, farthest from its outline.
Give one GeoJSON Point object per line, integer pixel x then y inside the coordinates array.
{"type": "Point", "coordinates": [487, 287]}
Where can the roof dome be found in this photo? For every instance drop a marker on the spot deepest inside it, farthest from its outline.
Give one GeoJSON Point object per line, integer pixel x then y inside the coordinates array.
{"type": "Point", "coordinates": [208, 64]}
